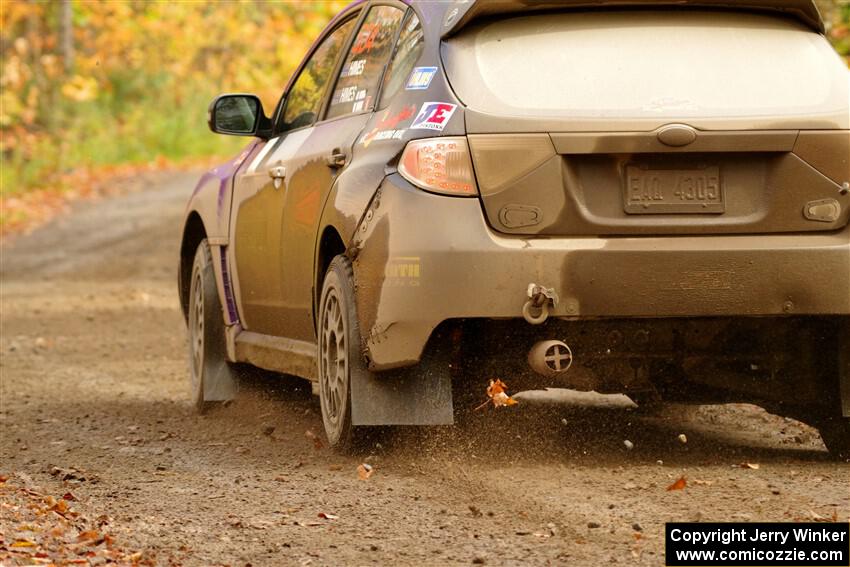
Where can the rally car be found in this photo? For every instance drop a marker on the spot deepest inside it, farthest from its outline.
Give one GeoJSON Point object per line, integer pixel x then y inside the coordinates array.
{"type": "Point", "coordinates": [641, 197]}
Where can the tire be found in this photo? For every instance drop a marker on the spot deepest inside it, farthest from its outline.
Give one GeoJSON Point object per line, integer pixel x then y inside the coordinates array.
{"type": "Point", "coordinates": [212, 377]}
{"type": "Point", "coordinates": [339, 355]}
{"type": "Point", "coordinates": [834, 428]}
{"type": "Point", "coordinates": [836, 436]}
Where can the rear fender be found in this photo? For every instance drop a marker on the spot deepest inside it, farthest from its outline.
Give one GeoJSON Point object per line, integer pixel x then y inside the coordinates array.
{"type": "Point", "coordinates": [419, 395]}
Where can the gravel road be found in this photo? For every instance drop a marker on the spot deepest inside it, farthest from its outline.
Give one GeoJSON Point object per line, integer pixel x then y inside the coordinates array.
{"type": "Point", "coordinates": [94, 378]}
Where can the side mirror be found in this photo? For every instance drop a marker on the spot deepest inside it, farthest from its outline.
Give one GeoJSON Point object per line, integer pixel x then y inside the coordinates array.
{"type": "Point", "coordinates": [238, 115]}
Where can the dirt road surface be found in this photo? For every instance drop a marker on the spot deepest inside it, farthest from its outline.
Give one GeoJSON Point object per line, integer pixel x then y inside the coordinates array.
{"type": "Point", "coordinates": [94, 378]}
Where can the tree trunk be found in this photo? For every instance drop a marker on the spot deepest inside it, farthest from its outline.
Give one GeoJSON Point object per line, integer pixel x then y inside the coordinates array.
{"type": "Point", "coordinates": [66, 33]}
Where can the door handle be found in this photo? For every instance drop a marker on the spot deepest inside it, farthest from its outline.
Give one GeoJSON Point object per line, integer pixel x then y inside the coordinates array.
{"type": "Point", "coordinates": [278, 174]}
{"type": "Point", "coordinates": [337, 159]}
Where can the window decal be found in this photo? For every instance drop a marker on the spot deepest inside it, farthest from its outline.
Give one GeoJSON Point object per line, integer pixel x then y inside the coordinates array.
{"type": "Point", "coordinates": [420, 78]}
{"type": "Point", "coordinates": [433, 116]}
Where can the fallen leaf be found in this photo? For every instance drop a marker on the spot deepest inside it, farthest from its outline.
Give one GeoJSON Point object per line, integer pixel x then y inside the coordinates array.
{"type": "Point", "coordinates": [751, 466]}
{"type": "Point", "coordinates": [60, 506]}
{"type": "Point", "coordinates": [679, 484]}
{"type": "Point", "coordinates": [364, 471]}
{"type": "Point", "coordinates": [23, 543]}
{"type": "Point", "coordinates": [497, 395]}
{"type": "Point", "coordinates": [69, 497]}
{"type": "Point", "coordinates": [317, 442]}
{"type": "Point", "coordinates": [818, 518]}
{"type": "Point", "coordinates": [327, 516]}
{"type": "Point", "coordinates": [89, 535]}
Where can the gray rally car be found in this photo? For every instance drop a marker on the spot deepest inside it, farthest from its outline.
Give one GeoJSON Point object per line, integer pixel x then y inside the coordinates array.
{"type": "Point", "coordinates": [640, 197]}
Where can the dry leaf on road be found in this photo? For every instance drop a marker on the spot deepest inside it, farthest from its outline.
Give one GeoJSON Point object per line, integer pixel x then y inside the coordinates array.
{"type": "Point", "coordinates": [364, 471]}
{"type": "Point", "coordinates": [680, 484]}
{"type": "Point", "coordinates": [497, 395]}
{"type": "Point", "coordinates": [317, 442]}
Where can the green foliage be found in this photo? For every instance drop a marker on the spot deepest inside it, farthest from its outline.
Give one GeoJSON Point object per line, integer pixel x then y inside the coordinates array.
{"type": "Point", "coordinates": [840, 31]}
{"type": "Point", "coordinates": [143, 73]}
{"type": "Point", "coordinates": [142, 76]}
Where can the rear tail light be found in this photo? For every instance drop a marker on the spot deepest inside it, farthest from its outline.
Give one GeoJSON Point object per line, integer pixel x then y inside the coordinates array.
{"type": "Point", "coordinates": [441, 165]}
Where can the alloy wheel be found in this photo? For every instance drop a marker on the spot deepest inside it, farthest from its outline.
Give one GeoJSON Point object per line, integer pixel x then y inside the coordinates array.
{"type": "Point", "coordinates": [333, 361]}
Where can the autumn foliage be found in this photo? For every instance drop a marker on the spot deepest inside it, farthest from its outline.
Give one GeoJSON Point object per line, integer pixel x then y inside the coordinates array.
{"type": "Point", "coordinates": [136, 82]}
{"type": "Point", "coordinates": [88, 84]}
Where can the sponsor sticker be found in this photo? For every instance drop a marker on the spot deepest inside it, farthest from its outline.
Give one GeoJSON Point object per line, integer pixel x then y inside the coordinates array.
{"type": "Point", "coordinates": [403, 271]}
{"type": "Point", "coordinates": [348, 94]}
{"type": "Point", "coordinates": [420, 78]}
{"type": "Point", "coordinates": [433, 116]}
{"type": "Point", "coordinates": [388, 123]}
{"type": "Point", "coordinates": [354, 69]}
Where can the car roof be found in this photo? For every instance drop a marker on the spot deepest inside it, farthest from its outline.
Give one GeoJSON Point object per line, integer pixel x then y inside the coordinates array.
{"type": "Point", "coordinates": [458, 14]}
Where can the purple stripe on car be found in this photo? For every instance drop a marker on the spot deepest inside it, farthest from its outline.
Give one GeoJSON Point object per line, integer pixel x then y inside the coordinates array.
{"type": "Point", "coordinates": [228, 293]}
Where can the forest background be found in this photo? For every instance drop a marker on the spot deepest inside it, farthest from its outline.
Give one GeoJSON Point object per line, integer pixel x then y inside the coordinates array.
{"type": "Point", "coordinates": [94, 89]}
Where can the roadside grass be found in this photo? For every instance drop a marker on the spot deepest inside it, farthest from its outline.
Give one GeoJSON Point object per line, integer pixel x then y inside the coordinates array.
{"type": "Point", "coordinates": [98, 140]}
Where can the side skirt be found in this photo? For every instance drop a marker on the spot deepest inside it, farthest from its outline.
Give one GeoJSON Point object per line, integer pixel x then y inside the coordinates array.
{"type": "Point", "coordinates": [420, 395]}
{"type": "Point", "coordinates": [287, 356]}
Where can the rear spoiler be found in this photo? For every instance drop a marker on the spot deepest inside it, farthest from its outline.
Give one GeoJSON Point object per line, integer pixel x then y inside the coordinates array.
{"type": "Point", "coordinates": [464, 12]}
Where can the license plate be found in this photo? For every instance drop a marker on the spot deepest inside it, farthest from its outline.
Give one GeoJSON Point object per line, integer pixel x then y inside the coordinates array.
{"type": "Point", "coordinates": [673, 191]}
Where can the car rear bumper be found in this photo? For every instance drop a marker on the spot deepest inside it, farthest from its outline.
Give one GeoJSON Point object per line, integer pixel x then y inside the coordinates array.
{"type": "Point", "coordinates": [422, 259]}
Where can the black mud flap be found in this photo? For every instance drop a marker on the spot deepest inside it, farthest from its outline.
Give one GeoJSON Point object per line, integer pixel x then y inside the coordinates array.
{"type": "Point", "coordinates": [419, 395]}
{"type": "Point", "coordinates": [220, 383]}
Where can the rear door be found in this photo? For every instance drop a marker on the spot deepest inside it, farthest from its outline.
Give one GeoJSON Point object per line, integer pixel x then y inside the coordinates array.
{"type": "Point", "coordinates": [323, 155]}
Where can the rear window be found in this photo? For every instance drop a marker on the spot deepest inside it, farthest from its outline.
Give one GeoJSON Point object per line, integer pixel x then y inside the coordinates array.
{"type": "Point", "coordinates": [640, 64]}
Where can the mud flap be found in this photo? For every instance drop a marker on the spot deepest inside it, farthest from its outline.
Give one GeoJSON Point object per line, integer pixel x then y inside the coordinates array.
{"type": "Point", "coordinates": [220, 383]}
{"type": "Point", "coordinates": [420, 395]}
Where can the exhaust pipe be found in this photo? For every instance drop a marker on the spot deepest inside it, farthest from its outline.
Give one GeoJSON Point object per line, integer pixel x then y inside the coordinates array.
{"type": "Point", "coordinates": [550, 358]}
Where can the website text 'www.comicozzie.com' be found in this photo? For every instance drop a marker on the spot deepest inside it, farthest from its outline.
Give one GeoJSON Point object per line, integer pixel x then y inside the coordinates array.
{"type": "Point", "coordinates": [761, 544]}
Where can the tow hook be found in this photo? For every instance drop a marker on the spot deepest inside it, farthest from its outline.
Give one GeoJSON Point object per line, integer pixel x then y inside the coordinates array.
{"type": "Point", "coordinates": [540, 301]}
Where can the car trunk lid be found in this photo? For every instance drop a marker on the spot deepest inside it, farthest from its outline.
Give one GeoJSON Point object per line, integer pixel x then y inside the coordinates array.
{"type": "Point", "coordinates": [680, 122]}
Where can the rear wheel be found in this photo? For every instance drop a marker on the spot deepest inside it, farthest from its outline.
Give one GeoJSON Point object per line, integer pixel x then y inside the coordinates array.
{"type": "Point", "coordinates": [212, 376]}
{"type": "Point", "coordinates": [339, 354]}
{"type": "Point", "coordinates": [829, 420]}
{"type": "Point", "coordinates": [835, 433]}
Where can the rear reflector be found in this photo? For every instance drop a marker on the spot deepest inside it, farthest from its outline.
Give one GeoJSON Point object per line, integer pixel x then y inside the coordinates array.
{"type": "Point", "coordinates": [441, 165]}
